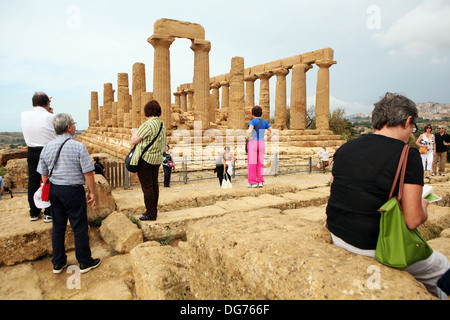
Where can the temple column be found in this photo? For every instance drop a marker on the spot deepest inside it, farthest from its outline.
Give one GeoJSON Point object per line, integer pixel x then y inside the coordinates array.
{"type": "Point", "coordinates": [145, 98]}
{"type": "Point", "coordinates": [190, 99]}
{"type": "Point", "coordinates": [123, 99]}
{"type": "Point", "coordinates": [161, 75]}
{"type": "Point", "coordinates": [280, 99]}
{"type": "Point", "coordinates": [115, 121]}
{"type": "Point", "coordinates": [215, 100]}
{"type": "Point", "coordinates": [139, 86]}
{"type": "Point", "coordinates": [215, 96]}
{"type": "Point", "coordinates": [177, 96]}
{"type": "Point", "coordinates": [108, 99]}
{"type": "Point", "coordinates": [323, 93]}
{"type": "Point", "coordinates": [225, 95]}
{"type": "Point", "coordinates": [264, 94]}
{"type": "Point", "coordinates": [201, 50]}
{"type": "Point", "coordinates": [298, 96]}
{"type": "Point", "coordinates": [183, 99]}
{"type": "Point", "coordinates": [93, 114]}
{"type": "Point", "coordinates": [250, 90]}
{"type": "Point", "coordinates": [236, 114]}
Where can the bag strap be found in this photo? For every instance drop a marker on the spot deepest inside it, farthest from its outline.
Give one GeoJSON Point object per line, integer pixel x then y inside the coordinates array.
{"type": "Point", "coordinates": [259, 124]}
{"type": "Point", "coordinates": [153, 141]}
{"type": "Point", "coordinates": [401, 167]}
{"type": "Point", "coordinates": [256, 129]}
{"type": "Point", "coordinates": [57, 156]}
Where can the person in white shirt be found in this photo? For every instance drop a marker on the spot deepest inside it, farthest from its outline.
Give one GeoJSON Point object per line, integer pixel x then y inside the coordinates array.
{"type": "Point", "coordinates": [324, 157]}
{"type": "Point", "coordinates": [38, 130]}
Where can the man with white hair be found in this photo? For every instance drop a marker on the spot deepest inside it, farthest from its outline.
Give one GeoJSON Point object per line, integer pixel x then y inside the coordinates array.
{"type": "Point", "coordinates": [74, 168]}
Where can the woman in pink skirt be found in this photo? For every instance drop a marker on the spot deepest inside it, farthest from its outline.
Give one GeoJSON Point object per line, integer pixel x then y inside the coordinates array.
{"type": "Point", "coordinates": [256, 148]}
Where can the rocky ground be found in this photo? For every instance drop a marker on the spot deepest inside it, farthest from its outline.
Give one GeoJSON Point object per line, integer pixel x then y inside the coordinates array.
{"type": "Point", "coordinates": [241, 243]}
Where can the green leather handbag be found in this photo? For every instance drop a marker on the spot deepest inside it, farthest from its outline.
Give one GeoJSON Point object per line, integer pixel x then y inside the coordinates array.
{"type": "Point", "coordinates": [397, 245]}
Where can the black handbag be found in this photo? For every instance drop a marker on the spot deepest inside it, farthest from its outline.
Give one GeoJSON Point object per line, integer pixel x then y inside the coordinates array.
{"type": "Point", "coordinates": [134, 168]}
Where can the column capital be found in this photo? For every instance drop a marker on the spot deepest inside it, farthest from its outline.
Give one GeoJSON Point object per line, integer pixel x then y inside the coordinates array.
{"type": "Point", "coordinates": [214, 85]}
{"type": "Point", "coordinates": [177, 94]}
{"type": "Point", "coordinates": [224, 83]}
{"type": "Point", "coordinates": [265, 75]}
{"type": "Point", "coordinates": [325, 63]}
{"type": "Point", "coordinates": [161, 41]}
{"type": "Point", "coordinates": [200, 45]}
{"type": "Point", "coordinates": [281, 72]}
{"type": "Point", "coordinates": [183, 92]}
{"type": "Point", "coordinates": [251, 77]}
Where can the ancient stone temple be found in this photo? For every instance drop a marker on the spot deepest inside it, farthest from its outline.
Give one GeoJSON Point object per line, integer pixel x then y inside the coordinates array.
{"type": "Point", "coordinates": [220, 102]}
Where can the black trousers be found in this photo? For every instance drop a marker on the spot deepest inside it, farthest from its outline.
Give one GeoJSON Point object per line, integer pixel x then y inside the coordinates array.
{"type": "Point", "coordinates": [69, 203]}
{"type": "Point", "coordinates": [167, 173]}
{"type": "Point", "coordinates": [148, 177]}
{"type": "Point", "coordinates": [34, 180]}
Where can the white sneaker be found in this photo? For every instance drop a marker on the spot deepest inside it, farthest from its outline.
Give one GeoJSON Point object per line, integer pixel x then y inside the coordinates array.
{"type": "Point", "coordinates": [35, 218]}
{"type": "Point", "coordinates": [260, 185]}
{"type": "Point", "coordinates": [254, 185]}
{"type": "Point", "coordinates": [441, 174]}
{"type": "Point", "coordinates": [48, 219]}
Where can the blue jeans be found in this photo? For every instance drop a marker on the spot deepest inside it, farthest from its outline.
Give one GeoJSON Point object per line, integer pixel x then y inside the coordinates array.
{"type": "Point", "coordinates": [69, 202]}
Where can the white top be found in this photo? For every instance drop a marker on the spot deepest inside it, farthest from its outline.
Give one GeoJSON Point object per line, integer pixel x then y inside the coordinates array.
{"type": "Point", "coordinates": [323, 154]}
{"type": "Point", "coordinates": [37, 127]}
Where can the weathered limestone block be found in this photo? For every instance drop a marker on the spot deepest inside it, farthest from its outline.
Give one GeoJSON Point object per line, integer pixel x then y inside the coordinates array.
{"type": "Point", "coordinates": [110, 290]}
{"type": "Point", "coordinates": [120, 232]}
{"type": "Point", "coordinates": [268, 255]}
{"type": "Point", "coordinates": [160, 272]}
{"type": "Point", "coordinates": [17, 176]}
{"type": "Point", "coordinates": [105, 203]}
{"type": "Point", "coordinates": [23, 240]}
{"type": "Point", "coordinates": [9, 154]}
{"type": "Point", "coordinates": [438, 220]}
{"type": "Point", "coordinates": [15, 288]}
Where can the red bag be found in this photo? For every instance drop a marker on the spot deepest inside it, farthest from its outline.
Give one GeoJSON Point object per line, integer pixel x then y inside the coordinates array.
{"type": "Point", "coordinates": [46, 191]}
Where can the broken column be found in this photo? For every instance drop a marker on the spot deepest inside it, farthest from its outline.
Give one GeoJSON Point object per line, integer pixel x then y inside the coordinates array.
{"type": "Point", "coordinates": [139, 86]}
{"type": "Point", "coordinates": [123, 99]}
{"type": "Point", "coordinates": [108, 99]}
{"type": "Point", "coordinates": [93, 114]}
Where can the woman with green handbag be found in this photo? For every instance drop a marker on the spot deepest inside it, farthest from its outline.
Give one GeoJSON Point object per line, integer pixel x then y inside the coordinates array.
{"type": "Point", "coordinates": [363, 175]}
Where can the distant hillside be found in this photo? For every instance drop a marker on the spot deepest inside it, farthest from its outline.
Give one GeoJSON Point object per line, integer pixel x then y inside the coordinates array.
{"type": "Point", "coordinates": [15, 139]}
{"type": "Point", "coordinates": [428, 110]}
{"type": "Point", "coordinates": [11, 139]}
{"type": "Point", "coordinates": [433, 111]}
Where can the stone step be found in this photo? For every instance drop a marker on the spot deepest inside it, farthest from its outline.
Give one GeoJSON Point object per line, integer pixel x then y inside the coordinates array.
{"type": "Point", "coordinates": [174, 223]}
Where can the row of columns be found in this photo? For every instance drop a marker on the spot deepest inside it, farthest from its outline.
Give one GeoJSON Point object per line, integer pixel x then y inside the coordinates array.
{"type": "Point", "coordinates": [128, 110]}
{"type": "Point", "coordinates": [237, 93]}
{"type": "Point", "coordinates": [298, 106]}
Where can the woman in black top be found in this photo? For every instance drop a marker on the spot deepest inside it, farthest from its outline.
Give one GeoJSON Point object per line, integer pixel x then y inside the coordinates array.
{"type": "Point", "coordinates": [362, 176]}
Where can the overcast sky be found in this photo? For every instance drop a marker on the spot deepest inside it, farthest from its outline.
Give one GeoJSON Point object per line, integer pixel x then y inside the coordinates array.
{"type": "Point", "coordinates": [70, 48]}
